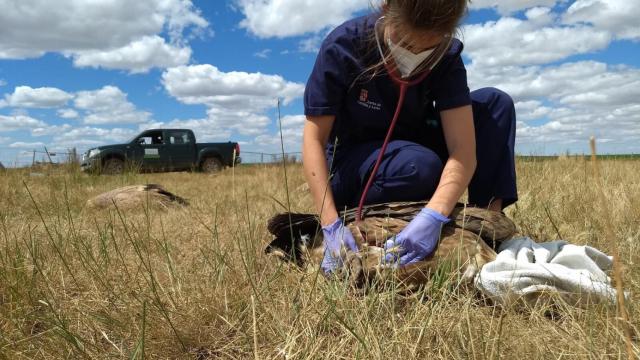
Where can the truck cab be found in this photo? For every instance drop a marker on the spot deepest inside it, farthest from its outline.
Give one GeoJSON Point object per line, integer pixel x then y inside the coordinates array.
{"type": "Point", "coordinates": [164, 149]}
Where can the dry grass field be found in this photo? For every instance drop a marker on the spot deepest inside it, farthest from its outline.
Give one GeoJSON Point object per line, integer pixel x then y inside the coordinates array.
{"type": "Point", "coordinates": [193, 283]}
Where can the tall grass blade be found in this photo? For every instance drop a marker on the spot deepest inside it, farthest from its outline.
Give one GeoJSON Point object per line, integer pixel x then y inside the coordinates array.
{"type": "Point", "coordinates": [611, 239]}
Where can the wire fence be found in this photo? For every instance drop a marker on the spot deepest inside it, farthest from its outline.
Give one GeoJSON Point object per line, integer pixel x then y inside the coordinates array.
{"type": "Point", "coordinates": [13, 157]}
{"type": "Point", "coordinates": [249, 157]}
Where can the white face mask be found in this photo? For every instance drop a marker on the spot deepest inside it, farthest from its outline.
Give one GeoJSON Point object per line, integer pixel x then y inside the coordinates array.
{"type": "Point", "coordinates": [406, 61]}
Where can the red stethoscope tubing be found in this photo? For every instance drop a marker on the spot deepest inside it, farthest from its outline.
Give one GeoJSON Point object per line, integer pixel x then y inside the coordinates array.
{"type": "Point", "coordinates": [404, 85]}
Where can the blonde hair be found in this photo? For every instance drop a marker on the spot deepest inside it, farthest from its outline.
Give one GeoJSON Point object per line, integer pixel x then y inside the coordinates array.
{"type": "Point", "coordinates": [441, 17]}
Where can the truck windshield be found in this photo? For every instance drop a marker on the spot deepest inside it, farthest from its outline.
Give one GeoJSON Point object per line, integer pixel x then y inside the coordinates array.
{"type": "Point", "coordinates": [132, 139]}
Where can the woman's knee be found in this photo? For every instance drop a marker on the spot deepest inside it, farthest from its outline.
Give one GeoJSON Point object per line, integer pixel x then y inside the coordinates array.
{"type": "Point", "coordinates": [429, 167]}
{"type": "Point", "coordinates": [493, 109]}
{"type": "Point", "coordinates": [493, 97]}
{"type": "Point", "coordinates": [415, 170]}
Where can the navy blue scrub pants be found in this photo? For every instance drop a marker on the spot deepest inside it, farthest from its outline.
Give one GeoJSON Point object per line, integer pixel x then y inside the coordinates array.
{"type": "Point", "coordinates": [411, 172]}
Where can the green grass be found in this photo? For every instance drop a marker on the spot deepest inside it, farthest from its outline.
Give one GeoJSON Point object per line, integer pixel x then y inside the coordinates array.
{"type": "Point", "coordinates": [194, 283]}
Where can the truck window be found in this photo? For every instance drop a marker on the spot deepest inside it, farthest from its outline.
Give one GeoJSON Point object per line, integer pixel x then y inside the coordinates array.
{"type": "Point", "coordinates": [151, 138]}
{"type": "Point", "coordinates": [179, 137]}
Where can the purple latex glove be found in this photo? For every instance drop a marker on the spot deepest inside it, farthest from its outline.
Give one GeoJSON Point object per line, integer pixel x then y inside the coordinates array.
{"type": "Point", "coordinates": [418, 240]}
{"type": "Point", "coordinates": [336, 236]}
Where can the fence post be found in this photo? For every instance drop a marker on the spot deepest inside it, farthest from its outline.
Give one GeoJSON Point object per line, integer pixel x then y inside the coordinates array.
{"type": "Point", "coordinates": [33, 161]}
{"type": "Point", "coordinates": [49, 156]}
{"type": "Point", "coordinates": [73, 156]}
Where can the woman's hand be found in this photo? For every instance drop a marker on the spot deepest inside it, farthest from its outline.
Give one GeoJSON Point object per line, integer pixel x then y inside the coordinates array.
{"type": "Point", "coordinates": [417, 240]}
{"type": "Point", "coordinates": [336, 236]}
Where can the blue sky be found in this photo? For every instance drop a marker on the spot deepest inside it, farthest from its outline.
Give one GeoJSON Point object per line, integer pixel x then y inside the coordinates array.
{"type": "Point", "coordinates": [80, 75]}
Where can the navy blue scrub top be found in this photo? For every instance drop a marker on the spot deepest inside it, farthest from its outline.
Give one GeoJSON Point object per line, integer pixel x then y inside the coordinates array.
{"type": "Point", "coordinates": [364, 107]}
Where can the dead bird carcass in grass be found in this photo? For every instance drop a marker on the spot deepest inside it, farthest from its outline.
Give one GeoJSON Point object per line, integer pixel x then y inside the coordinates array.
{"type": "Point", "coordinates": [137, 196]}
{"type": "Point", "coordinates": [466, 244]}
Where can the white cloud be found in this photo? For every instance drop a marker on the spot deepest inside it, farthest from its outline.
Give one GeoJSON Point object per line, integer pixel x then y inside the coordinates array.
{"type": "Point", "coordinates": [50, 130]}
{"type": "Point", "coordinates": [532, 110]}
{"type": "Point", "coordinates": [292, 126]}
{"type": "Point", "coordinates": [291, 139]}
{"type": "Point", "coordinates": [617, 16]}
{"type": "Point", "coordinates": [109, 105]}
{"type": "Point", "coordinates": [220, 125]}
{"type": "Point", "coordinates": [263, 54]}
{"type": "Point", "coordinates": [26, 145]}
{"type": "Point", "coordinates": [206, 130]}
{"type": "Point", "coordinates": [561, 106]}
{"type": "Point", "coordinates": [284, 18]}
{"type": "Point", "coordinates": [138, 56]}
{"type": "Point", "coordinates": [573, 101]}
{"type": "Point", "coordinates": [180, 15]}
{"type": "Point", "coordinates": [293, 121]}
{"type": "Point", "coordinates": [85, 137]}
{"type": "Point", "coordinates": [3, 82]}
{"type": "Point", "coordinates": [571, 128]}
{"type": "Point", "coordinates": [205, 84]}
{"type": "Point", "coordinates": [509, 6]}
{"type": "Point", "coordinates": [237, 101]}
{"type": "Point", "coordinates": [311, 44]}
{"type": "Point", "coordinates": [585, 83]}
{"type": "Point", "coordinates": [539, 40]}
{"type": "Point", "coordinates": [84, 29]}
{"type": "Point", "coordinates": [67, 113]}
{"type": "Point", "coordinates": [223, 125]}
{"type": "Point", "coordinates": [19, 122]}
{"type": "Point", "coordinates": [243, 122]}
{"type": "Point", "coordinates": [44, 97]}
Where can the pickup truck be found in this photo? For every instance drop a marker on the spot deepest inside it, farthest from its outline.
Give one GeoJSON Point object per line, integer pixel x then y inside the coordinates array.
{"type": "Point", "coordinates": [161, 150]}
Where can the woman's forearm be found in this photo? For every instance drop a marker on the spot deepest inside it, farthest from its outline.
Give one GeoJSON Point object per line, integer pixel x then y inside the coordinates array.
{"type": "Point", "coordinates": [459, 133]}
{"type": "Point", "coordinates": [455, 178]}
{"type": "Point", "coordinates": [316, 173]}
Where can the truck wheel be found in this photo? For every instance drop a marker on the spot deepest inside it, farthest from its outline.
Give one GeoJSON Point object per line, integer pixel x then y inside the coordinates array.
{"type": "Point", "coordinates": [211, 165]}
{"type": "Point", "coordinates": [113, 166]}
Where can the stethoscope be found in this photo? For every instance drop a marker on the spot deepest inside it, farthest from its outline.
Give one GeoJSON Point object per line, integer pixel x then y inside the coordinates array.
{"type": "Point", "coordinates": [404, 85]}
